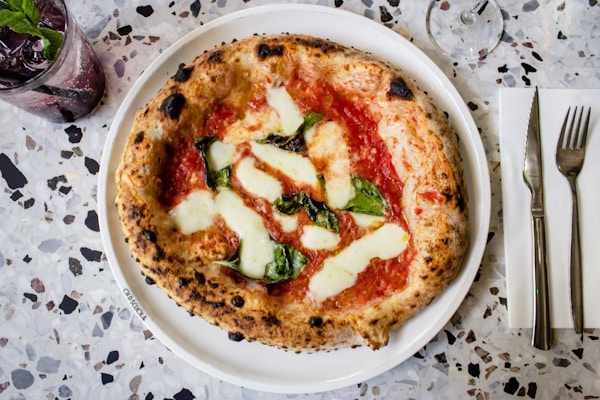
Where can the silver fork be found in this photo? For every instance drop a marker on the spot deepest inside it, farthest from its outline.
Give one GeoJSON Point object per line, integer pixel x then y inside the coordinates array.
{"type": "Point", "coordinates": [570, 153]}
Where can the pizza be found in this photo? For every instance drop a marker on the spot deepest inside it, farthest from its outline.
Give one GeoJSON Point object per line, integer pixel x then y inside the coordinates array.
{"type": "Point", "coordinates": [295, 192]}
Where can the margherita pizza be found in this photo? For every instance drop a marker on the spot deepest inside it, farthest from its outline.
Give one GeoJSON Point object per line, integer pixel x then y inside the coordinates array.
{"type": "Point", "coordinates": [295, 192]}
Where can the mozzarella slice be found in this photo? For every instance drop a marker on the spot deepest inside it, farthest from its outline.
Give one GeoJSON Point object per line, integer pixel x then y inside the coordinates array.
{"type": "Point", "coordinates": [258, 182]}
{"type": "Point", "coordinates": [317, 238]}
{"type": "Point", "coordinates": [220, 155]}
{"type": "Point", "coordinates": [255, 125]}
{"type": "Point", "coordinates": [289, 113]}
{"type": "Point", "coordinates": [293, 165]}
{"type": "Point", "coordinates": [327, 144]}
{"type": "Point", "coordinates": [289, 223]}
{"type": "Point", "coordinates": [195, 213]}
{"type": "Point", "coordinates": [257, 246]}
{"type": "Point", "coordinates": [367, 221]}
{"type": "Point", "coordinates": [341, 270]}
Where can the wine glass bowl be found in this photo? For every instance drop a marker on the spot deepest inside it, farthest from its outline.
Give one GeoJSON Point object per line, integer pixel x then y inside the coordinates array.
{"type": "Point", "coordinates": [465, 29]}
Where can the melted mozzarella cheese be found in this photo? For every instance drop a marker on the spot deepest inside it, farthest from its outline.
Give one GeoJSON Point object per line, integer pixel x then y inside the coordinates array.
{"type": "Point", "coordinates": [340, 271]}
{"type": "Point", "coordinates": [254, 126]}
{"type": "Point", "coordinates": [289, 113]}
{"type": "Point", "coordinates": [293, 165]}
{"type": "Point", "coordinates": [317, 238]}
{"type": "Point", "coordinates": [367, 221]}
{"type": "Point", "coordinates": [220, 155]}
{"type": "Point", "coordinates": [198, 210]}
{"type": "Point", "coordinates": [289, 223]}
{"type": "Point", "coordinates": [326, 143]}
{"type": "Point", "coordinates": [258, 182]}
{"type": "Point", "coordinates": [195, 213]}
{"type": "Point", "coordinates": [257, 247]}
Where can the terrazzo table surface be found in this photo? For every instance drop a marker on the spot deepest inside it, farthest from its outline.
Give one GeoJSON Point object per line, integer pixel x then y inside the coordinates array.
{"type": "Point", "coordinates": [67, 331]}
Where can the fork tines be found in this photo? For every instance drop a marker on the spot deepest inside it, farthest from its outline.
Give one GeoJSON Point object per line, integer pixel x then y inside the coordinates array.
{"type": "Point", "coordinates": [574, 142]}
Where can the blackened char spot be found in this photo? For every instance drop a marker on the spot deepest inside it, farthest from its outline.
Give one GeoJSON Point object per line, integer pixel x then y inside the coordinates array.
{"type": "Point", "coordinates": [235, 336]}
{"type": "Point", "coordinates": [271, 321]}
{"type": "Point", "coordinates": [160, 254]}
{"type": "Point", "coordinates": [149, 235]}
{"type": "Point", "coordinates": [200, 277]}
{"type": "Point", "coordinates": [139, 138]}
{"type": "Point", "coordinates": [237, 301]}
{"type": "Point", "coordinates": [183, 282]}
{"type": "Point", "coordinates": [215, 57]}
{"type": "Point", "coordinates": [316, 322]}
{"type": "Point", "coordinates": [263, 50]}
{"type": "Point", "coordinates": [134, 212]}
{"type": "Point", "coordinates": [399, 89]}
{"type": "Point", "coordinates": [183, 73]}
{"type": "Point", "coordinates": [172, 105]}
{"type": "Point", "coordinates": [316, 44]}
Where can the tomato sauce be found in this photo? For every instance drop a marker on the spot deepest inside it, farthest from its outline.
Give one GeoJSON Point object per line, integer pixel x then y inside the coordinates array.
{"type": "Point", "coordinates": [220, 118]}
{"type": "Point", "coordinates": [182, 172]}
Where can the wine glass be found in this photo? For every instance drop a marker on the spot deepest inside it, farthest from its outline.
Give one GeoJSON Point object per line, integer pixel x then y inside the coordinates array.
{"type": "Point", "coordinates": [465, 29]}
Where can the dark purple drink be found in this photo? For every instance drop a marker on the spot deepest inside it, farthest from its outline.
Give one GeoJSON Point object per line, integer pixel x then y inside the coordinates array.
{"type": "Point", "coordinates": [63, 90]}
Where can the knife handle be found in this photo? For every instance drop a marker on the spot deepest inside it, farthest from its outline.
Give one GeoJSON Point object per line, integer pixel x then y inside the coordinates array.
{"type": "Point", "coordinates": [542, 328]}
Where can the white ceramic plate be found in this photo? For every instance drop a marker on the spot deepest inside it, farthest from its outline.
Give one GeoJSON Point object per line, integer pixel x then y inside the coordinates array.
{"type": "Point", "coordinates": [254, 365]}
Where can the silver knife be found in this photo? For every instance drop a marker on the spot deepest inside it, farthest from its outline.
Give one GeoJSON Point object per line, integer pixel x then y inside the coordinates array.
{"type": "Point", "coordinates": [532, 174]}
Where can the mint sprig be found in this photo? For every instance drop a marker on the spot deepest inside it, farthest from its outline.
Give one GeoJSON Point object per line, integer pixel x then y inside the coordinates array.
{"type": "Point", "coordinates": [23, 16]}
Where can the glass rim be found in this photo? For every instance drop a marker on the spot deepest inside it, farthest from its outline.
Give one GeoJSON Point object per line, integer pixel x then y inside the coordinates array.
{"type": "Point", "coordinates": [41, 78]}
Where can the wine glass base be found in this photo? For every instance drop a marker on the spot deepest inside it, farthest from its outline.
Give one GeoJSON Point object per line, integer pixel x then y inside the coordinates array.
{"type": "Point", "coordinates": [460, 39]}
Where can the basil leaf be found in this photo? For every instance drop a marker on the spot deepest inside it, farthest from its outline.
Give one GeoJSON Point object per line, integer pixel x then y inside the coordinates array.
{"type": "Point", "coordinates": [321, 215]}
{"type": "Point", "coordinates": [233, 261]}
{"type": "Point", "coordinates": [310, 120]}
{"type": "Point", "coordinates": [214, 179]}
{"type": "Point", "coordinates": [297, 141]}
{"type": "Point", "coordinates": [289, 204]}
{"type": "Point", "coordinates": [221, 178]}
{"type": "Point", "coordinates": [317, 211]}
{"type": "Point", "coordinates": [287, 264]}
{"type": "Point", "coordinates": [367, 198]}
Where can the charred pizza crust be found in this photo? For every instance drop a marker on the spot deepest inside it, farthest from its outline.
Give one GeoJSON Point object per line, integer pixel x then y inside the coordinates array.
{"type": "Point", "coordinates": [426, 158]}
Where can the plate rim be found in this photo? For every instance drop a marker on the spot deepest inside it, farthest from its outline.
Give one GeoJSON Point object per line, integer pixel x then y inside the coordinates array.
{"type": "Point", "coordinates": [476, 248]}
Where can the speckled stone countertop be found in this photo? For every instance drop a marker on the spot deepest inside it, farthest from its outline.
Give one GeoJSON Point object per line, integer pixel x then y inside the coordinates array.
{"type": "Point", "coordinates": [67, 331]}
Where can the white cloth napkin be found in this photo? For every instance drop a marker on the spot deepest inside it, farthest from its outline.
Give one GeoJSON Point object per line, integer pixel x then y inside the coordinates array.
{"type": "Point", "coordinates": [518, 237]}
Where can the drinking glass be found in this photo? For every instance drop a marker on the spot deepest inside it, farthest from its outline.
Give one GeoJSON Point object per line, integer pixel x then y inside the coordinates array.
{"type": "Point", "coordinates": [63, 90]}
{"type": "Point", "coordinates": [465, 29]}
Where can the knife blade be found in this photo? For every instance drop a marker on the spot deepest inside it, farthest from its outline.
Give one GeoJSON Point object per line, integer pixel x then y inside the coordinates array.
{"type": "Point", "coordinates": [532, 175]}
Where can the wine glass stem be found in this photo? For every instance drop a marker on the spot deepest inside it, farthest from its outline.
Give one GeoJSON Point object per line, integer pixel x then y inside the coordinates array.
{"type": "Point", "coordinates": [469, 16]}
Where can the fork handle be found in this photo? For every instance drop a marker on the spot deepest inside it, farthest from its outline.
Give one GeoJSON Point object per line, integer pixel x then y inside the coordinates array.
{"type": "Point", "coordinates": [575, 268]}
{"type": "Point", "coordinates": [542, 328]}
